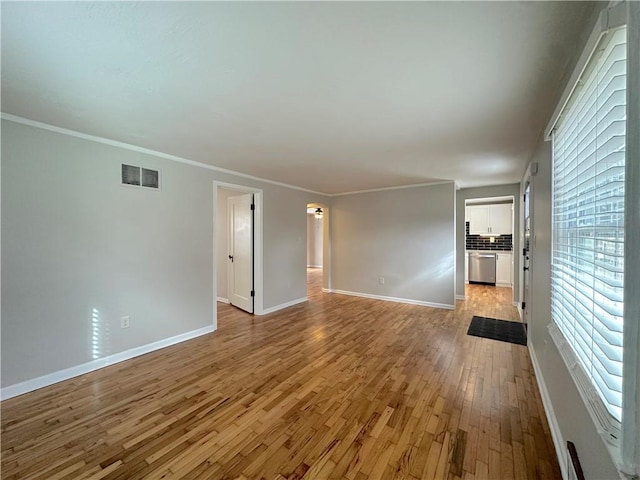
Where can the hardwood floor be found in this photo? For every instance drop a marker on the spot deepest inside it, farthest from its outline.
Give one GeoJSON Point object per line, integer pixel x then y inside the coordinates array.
{"type": "Point", "coordinates": [339, 387]}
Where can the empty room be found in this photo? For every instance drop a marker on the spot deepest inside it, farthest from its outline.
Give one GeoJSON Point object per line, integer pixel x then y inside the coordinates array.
{"type": "Point", "coordinates": [320, 240]}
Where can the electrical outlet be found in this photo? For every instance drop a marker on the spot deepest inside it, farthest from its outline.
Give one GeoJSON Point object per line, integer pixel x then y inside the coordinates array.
{"type": "Point", "coordinates": [124, 322]}
{"type": "Point", "coordinates": [381, 280]}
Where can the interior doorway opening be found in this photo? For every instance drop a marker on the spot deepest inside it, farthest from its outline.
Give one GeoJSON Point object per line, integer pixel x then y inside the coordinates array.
{"type": "Point", "coordinates": [317, 249]}
{"type": "Point", "coordinates": [238, 247]}
{"type": "Point", "coordinates": [489, 244]}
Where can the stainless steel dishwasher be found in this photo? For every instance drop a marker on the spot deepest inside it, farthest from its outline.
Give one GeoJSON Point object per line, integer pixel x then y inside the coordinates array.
{"type": "Point", "coordinates": [482, 267]}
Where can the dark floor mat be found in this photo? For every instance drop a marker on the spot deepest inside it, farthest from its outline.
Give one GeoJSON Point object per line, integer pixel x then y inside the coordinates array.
{"type": "Point", "coordinates": [512, 332]}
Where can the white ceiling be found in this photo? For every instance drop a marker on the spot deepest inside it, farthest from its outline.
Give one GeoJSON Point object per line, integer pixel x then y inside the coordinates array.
{"type": "Point", "coordinates": [331, 97]}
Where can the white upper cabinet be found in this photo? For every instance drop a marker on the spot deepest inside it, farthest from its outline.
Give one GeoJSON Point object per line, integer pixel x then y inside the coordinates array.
{"type": "Point", "coordinates": [490, 219]}
{"type": "Point", "coordinates": [478, 219]}
{"type": "Point", "coordinates": [501, 218]}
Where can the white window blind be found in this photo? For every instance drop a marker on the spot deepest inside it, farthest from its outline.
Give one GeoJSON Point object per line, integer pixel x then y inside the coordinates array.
{"type": "Point", "coordinates": [588, 219]}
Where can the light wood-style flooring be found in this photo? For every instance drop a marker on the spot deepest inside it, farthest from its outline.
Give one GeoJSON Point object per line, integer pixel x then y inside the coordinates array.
{"type": "Point", "coordinates": [335, 388]}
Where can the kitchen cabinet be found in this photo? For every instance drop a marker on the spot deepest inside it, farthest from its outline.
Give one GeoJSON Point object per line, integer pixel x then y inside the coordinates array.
{"type": "Point", "coordinates": [490, 219]}
{"type": "Point", "coordinates": [478, 219]}
{"type": "Point", "coordinates": [504, 269]}
{"type": "Point", "coordinates": [500, 218]}
{"type": "Point", "coordinates": [466, 267]}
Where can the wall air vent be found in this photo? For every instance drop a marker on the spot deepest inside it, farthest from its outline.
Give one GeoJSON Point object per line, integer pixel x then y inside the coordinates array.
{"type": "Point", "coordinates": [149, 178]}
{"type": "Point", "coordinates": [140, 177]}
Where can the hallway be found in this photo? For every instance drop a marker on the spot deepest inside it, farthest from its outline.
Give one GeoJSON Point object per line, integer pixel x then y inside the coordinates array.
{"type": "Point", "coordinates": [314, 282]}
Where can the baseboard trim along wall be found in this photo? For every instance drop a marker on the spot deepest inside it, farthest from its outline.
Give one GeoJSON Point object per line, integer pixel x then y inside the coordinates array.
{"type": "Point", "coordinates": [222, 300]}
{"type": "Point", "coordinates": [556, 434]}
{"type": "Point", "coordinates": [395, 299]}
{"type": "Point", "coordinates": [461, 297]}
{"type": "Point", "coordinates": [67, 373]}
{"type": "Point", "coordinates": [266, 311]}
{"type": "Point", "coordinates": [314, 266]}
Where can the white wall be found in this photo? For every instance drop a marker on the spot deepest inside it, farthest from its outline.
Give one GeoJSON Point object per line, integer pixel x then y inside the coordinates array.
{"type": "Point", "coordinates": [285, 262]}
{"type": "Point", "coordinates": [74, 239]}
{"type": "Point", "coordinates": [405, 235]}
{"type": "Point", "coordinates": [314, 241]}
{"type": "Point", "coordinates": [485, 192]}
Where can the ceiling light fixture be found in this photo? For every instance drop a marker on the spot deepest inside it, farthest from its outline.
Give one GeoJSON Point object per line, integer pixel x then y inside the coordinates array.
{"type": "Point", "coordinates": [319, 213]}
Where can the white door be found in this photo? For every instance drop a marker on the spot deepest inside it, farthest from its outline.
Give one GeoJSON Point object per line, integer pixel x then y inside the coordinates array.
{"type": "Point", "coordinates": [240, 258]}
{"type": "Point", "coordinates": [526, 251]}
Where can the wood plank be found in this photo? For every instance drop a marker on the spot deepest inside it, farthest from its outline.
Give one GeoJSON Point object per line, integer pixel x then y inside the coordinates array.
{"type": "Point", "coordinates": [339, 387]}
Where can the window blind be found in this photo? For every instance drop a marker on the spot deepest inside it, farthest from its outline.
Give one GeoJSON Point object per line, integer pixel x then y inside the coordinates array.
{"type": "Point", "coordinates": [588, 219]}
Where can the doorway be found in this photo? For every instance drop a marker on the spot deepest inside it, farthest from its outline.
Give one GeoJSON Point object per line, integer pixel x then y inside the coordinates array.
{"type": "Point", "coordinates": [316, 220]}
{"type": "Point", "coordinates": [490, 248]}
{"type": "Point", "coordinates": [238, 247]}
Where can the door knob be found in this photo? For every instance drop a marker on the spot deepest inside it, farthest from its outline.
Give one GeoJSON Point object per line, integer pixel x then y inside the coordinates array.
{"type": "Point", "coordinates": [525, 268]}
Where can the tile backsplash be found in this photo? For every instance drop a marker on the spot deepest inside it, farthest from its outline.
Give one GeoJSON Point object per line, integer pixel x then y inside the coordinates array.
{"type": "Point", "coordinates": [476, 242]}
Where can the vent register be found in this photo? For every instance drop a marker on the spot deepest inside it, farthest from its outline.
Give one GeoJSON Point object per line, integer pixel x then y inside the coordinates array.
{"type": "Point", "coordinates": [140, 177]}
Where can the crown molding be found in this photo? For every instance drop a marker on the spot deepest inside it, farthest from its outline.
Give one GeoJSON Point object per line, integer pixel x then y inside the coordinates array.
{"type": "Point", "coordinates": [148, 151]}
{"type": "Point", "coordinates": [127, 146]}
{"type": "Point", "coordinates": [399, 187]}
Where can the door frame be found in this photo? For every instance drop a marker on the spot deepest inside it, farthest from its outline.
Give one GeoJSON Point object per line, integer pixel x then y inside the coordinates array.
{"type": "Point", "coordinates": [526, 181]}
{"type": "Point", "coordinates": [258, 305]}
{"type": "Point", "coordinates": [515, 295]}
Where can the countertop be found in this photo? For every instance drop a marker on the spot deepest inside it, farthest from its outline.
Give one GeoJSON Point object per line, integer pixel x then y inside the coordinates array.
{"type": "Point", "coordinates": [489, 251]}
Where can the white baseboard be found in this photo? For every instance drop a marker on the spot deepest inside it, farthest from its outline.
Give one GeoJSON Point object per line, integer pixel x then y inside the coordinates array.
{"type": "Point", "coordinates": [518, 306]}
{"type": "Point", "coordinates": [395, 299]}
{"type": "Point", "coordinates": [314, 266]}
{"type": "Point", "coordinates": [556, 435]}
{"type": "Point", "coordinates": [67, 373]}
{"type": "Point", "coordinates": [507, 285]}
{"type": "Point", "coordinates": [461, 297]}
{"type": "Point", "coordinates": [326, 290]}
{"type": "Point", "coordinates": [222, 300]}
{"type": "Point", "coordinates": [283, 305]}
